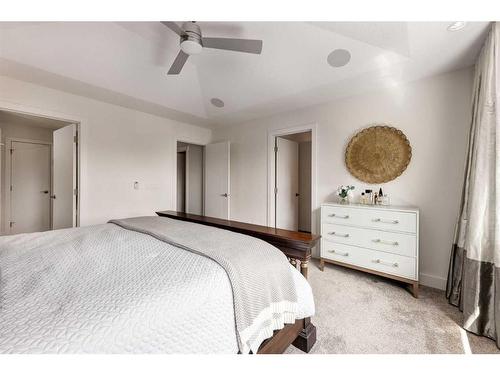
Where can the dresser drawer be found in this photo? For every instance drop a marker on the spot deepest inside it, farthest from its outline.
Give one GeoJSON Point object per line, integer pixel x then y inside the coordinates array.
{"type": "Point", "coordinates": [390, 242]}
{"type": "Point", "coordinates": [391, 264]}
{"type": "Point", "coordinates": [370, 217]}
{"type": "Point", "coordinates": [339, 252]}
{"type": "Point", "coordinates": [339, 215]}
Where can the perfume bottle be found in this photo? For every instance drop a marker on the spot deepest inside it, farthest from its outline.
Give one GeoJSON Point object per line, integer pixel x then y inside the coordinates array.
{"type": "Point", "coordinates": [369, 196]}
{"type": "Point", "coordinates": [380, 197]}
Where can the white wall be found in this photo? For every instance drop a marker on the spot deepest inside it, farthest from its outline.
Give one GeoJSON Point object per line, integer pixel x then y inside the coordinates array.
{"type": "Point", "coordinates": [16, 131]}
{"type": "Point", "coordinates": [118, 146]}
{"type": "Point", "coordinates": [433, 113]}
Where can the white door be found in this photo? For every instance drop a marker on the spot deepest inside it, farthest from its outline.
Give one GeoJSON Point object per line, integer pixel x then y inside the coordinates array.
{"type": "Point", "coordinates": [287, 184]}
{"type": "Point", "coordinates": [64, 182]}
{"type": "Point", "coordinates": [217, 177]}
{"type": "Point", "coordinates": [30, 187]}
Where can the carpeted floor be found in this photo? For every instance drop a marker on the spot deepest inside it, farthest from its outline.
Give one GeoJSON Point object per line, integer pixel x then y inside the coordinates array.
{"type": "Point", "coordinates": [366, 314]}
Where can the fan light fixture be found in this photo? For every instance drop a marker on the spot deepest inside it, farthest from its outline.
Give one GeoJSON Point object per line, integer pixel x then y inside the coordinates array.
{"type": "Point", "coordinates": [192, 42]}
{"type": "Point", "coordinates": [458, 25]}
{"type": "Point", "coordinates": [191, 47]}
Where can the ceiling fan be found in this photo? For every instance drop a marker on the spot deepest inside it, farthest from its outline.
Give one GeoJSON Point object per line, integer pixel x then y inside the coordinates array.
{"type": "Point", "coordinates": [192, 43]}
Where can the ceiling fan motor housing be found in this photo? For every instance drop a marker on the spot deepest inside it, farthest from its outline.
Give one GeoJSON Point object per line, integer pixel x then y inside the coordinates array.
{"type": "Point", "coordinates": [191, 39]}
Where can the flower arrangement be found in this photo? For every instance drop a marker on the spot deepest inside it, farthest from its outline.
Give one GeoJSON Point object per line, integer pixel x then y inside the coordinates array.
{"type": "Point", "coordinates": [343, 193]}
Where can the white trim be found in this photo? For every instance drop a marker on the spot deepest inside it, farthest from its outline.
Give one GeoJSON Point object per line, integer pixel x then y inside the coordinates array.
{"type": "Point", "coordinates": [81, 129]}
{"type": "Point", "coordinates": [432, 281]}
{"type": "Point", "coordinates": [272, 134]}
{"type": "Point", "coordinates": [8, 177]}
{"type": "Point", "coordinates": [174, 179]}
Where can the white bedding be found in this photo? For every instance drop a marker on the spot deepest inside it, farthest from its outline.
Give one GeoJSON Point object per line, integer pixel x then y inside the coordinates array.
{"type": "Point", "coordinates": [121, 292]}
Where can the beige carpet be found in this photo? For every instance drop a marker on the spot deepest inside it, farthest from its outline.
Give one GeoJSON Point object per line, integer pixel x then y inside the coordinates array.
{"type": "Point", "coordinates": [361, 313]}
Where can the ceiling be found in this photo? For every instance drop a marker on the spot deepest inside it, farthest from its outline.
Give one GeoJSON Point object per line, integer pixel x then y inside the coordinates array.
{"type": "Point", "coordinates": [125, 63]}
{"type": "Point", "coordinates": [29, 120]}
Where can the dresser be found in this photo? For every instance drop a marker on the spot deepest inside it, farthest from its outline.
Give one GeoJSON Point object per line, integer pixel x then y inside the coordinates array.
{"type": "Point", "coordinates": [381, 240]}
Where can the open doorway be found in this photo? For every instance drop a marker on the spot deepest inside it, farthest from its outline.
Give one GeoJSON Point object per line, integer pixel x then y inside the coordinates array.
{"type": "Point", "coordinates": [39, 173]}
{"type": "Point", "coordinates": [293, 181]}
{"type": "Point", "coordinates": [190, 174]}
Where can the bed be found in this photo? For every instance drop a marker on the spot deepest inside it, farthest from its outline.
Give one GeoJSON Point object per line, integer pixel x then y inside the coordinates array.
{"type": "Point", "coordinates": [148, 285]}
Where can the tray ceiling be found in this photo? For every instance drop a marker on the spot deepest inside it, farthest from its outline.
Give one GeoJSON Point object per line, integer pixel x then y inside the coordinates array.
{"type": "Point", "coordinates": [125, 63]}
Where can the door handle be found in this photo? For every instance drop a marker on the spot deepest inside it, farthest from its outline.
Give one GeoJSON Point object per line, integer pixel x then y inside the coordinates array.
{"type": "Point", "coordinates": [339, 216]}
{"type": "Point", "coordinates": [44, 191]}
{"type": "Point", "coordinates": [225, 195]}
{"type": "Point", "coordinates": [339, 234]}
{"type": "Point", "coordinates": [53, 197]}
{"type": "Point", "coordinates": [379, 220]}
{"type": "Point", "coordinates": [297, 194]}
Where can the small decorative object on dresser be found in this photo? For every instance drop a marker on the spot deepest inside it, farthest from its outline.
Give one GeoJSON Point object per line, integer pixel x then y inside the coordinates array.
{"type": "Point", "coordinates": [381, 240]}
{"type": "Point", "coordinates": [344, 193]}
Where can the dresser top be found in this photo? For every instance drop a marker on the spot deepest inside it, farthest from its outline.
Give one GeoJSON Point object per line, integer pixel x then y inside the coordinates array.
{"type": "Point", "coordinates": [373, 207]}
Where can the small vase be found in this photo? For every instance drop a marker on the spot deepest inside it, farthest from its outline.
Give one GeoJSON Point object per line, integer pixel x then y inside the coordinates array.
{"type": "Point", "coordinates": [344, 200]}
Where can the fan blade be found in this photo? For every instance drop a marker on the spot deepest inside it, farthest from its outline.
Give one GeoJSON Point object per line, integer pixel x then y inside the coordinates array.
{"type": "Point", "coordinates": [239, 45]}
{"type": "Point", "coordinates": [179, 62]}
{"type": "Point", "coordinates": [174, 27]}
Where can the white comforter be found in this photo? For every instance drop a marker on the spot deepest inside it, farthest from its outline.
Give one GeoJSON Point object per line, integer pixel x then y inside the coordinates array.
{"type": "Point", "coordinates": [116, 291]}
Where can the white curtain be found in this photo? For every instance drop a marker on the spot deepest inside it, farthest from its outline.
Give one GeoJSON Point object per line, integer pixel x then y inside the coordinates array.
{"type": "Point", "coordinates": [474, 275]}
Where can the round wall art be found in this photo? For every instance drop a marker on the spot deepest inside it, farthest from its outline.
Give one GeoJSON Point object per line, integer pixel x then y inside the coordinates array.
{"type": "Point", "coordinates": [378, 154]}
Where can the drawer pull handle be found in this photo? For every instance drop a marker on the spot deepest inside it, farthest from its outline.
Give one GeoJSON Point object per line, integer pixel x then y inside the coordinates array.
{"type": "Point", "coordinates": [339, 216]}
{"type": "Point", "coordinates": [345, 235]}
{"type": "Point", "coordinates": [395, 264]}
{"type": "Point", "coordinates": [339, 253]}
{"type": "Point", "coordinates": [379, 220]}
{"type": "Point", "coordinates": [393, 243]}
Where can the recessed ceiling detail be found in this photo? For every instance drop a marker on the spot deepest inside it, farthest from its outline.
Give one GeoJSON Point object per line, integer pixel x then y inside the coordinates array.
{"type": "Point", "coordinates": [338, 58]}
{"type": "Point", "coordinates": [216, 102]}
{"type": "Point", "coordinates": [124, 63]}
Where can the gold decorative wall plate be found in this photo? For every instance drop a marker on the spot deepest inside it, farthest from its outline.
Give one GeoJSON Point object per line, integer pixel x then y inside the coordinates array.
{"type": "Point", "coordinates": [378, 154]}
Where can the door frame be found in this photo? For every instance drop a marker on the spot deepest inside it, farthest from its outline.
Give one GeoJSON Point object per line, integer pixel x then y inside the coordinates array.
{"type": "Point", "coordinates": [271, 176]}
{"type": "Point", "coordinates": [174, 180]}
{"type": "Point", "coordinates": [81, 129]}
{"type": "Point", "coordinates": [8, 177]}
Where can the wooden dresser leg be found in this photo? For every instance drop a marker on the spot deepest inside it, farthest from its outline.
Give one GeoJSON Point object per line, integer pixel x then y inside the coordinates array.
{"type": "Point", "coordinates": [321, 264]}
{"type": "Point", "coordinates": [304, 267]}
{"type": "Point", "coordinates": [307, 336]}
{"type": "Point", "coordinates": [414, 289]}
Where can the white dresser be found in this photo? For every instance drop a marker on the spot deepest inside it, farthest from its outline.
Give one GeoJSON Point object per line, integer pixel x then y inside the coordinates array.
{"type": "Point", "coordinates": [382, 240]}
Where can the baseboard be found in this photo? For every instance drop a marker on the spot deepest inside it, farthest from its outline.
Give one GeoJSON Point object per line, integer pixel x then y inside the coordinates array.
{"type": "Point", "coordinates": [433, 281]}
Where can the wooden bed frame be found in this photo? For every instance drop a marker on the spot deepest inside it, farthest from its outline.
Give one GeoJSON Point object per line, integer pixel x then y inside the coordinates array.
{"type": "Point", "coordinates": [297, 246]}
